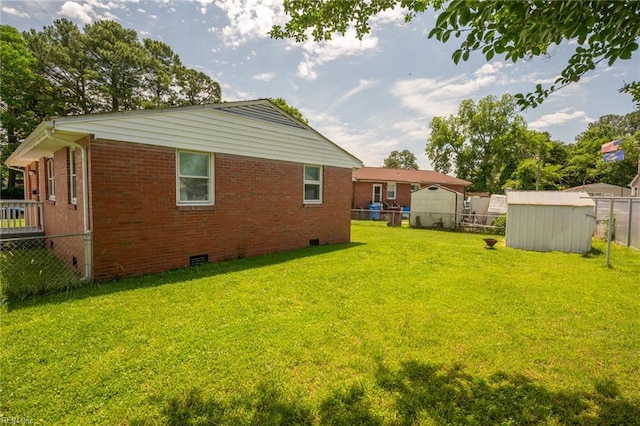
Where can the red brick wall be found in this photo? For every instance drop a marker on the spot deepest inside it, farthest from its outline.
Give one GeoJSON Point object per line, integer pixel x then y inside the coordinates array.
{"type": "Point", "coordinates": [138, 228]}
{"type": "Point", "coordinates": [363, 192]}
{"type": "Point", "coordinates": [61, 217]}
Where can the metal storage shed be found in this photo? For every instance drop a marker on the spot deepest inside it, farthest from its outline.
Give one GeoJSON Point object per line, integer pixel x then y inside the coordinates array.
{"type": "Point", "coordinates": [436, 207]}
{"type": "Point", "coordinates": [550, 220]}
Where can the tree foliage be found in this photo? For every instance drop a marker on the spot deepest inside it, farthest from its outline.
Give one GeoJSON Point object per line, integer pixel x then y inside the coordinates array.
{"type": "Point", "coordinates": [600, 30]}
{"type": "Point", "coordinates": [104, 67]}
{"type": "Point", "coordinates": [20, 92]}
{"type": "Point", "coordinates": [585, 164]}
{"type": "Point", "coordinates": [291, 110]}
{"type": "Point", "coordinates": [63, 70]}
{"type": "Point", "coordinates": [404, 159]}
{"type": "Point", "coordinates": [482, 143]}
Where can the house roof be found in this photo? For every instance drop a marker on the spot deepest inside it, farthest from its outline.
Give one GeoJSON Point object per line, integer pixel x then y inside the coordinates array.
{"type": "Point", "coordinates": [255, 128]}
{"type": "Point", "coordinates": [550, 198]}
{"type": "Point", "coordinates": [423, 177]}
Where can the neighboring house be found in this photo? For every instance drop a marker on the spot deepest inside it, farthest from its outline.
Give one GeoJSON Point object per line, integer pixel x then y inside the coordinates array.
{"type": "Point", "coordinates": [166, 188]}
{"type": "Point", "coordinates": [393, 187]}
{"type": "Point", "coordinates": [550, 220]}
{"type": "Point", "coordinates": [601, 190]}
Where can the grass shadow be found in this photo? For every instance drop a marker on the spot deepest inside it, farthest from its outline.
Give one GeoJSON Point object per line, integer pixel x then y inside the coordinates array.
{"type": "Point", "coordinates": [266, 405]}
{"type": "Point", "coordinates": [452, 396]}
{"type": "Point", "coordinates": [177, 275]}
{"type": "Point", "coordinates": [419, 394]}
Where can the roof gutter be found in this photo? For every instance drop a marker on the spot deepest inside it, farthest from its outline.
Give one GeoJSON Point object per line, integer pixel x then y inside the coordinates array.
{"type": "Point", "coordinates": [85, 198]}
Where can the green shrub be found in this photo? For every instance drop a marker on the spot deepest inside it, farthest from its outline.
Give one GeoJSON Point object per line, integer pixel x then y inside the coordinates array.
{"type": "Point", "coordinates": [12, 194]}
{"type": "Point", "coordinates": [501, 224]}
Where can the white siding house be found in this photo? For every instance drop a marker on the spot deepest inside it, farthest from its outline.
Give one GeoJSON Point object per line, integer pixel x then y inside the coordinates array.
{"type": "Point", "coordinates": [550, 220]}
{"type": "Point", "coordinates": [436, 207]}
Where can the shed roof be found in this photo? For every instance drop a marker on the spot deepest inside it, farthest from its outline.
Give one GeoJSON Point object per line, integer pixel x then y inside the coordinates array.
{"type": "Point", "coordinates": [550, 198]}
{"type": "Point", "coordinates": [257, 128]}
{"type": "Point", "coordinates": [424, 177]}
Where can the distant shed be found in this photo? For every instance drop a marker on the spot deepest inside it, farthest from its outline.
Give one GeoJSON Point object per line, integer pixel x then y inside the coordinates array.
{"type": "Point", "coordinates": [550, 220]}
{"type": "Point", "coordinates": [497, 207]}
{"type": "Point", "coordinates": [436, 207]}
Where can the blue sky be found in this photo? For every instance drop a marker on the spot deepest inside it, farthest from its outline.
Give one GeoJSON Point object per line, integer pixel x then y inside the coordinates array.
{"type": "Point", "coordinates": [371, 96]}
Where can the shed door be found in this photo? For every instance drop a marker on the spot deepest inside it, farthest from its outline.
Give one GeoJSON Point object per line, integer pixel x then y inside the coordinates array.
{"type": "Point", "coordinates": [377, 193]}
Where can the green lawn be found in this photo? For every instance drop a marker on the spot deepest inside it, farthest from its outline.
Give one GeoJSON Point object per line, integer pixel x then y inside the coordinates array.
{"type": "Point", "coordinates": [401, 326]}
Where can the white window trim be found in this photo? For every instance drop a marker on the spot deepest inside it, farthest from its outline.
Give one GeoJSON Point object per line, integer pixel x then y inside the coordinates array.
{"type": "Point", "coordinates": [373, 193]}
{"type": "Point", "coordinates": [395, 190]}
{"type": "Point", "coordinates": [311, 182]}
{"type": "Point", "coordinates": [413, 187]}
{"type": "Point", "coordinates": [51, 180]}
{"type": "Point", "coordinates": [211, 200]}
{"type": "Point", "coordinates": [73, 183]}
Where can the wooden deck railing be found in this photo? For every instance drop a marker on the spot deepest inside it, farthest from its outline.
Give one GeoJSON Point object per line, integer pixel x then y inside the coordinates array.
{"type": "Point", "coordinates": [19, 217]}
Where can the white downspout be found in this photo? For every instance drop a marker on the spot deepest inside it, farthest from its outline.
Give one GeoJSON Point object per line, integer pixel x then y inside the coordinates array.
{"type": "Point", "coordinates": [88, 250]}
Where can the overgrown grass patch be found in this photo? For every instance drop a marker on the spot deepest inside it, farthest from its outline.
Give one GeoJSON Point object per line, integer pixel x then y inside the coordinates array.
{"type": "Point", "coordinates": [28, 272]}
{"type": "Point", "coordinates": [402, 326]}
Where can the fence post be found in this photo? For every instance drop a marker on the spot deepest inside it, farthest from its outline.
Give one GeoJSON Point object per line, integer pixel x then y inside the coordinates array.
{"type": "Point", "coordinates": [610, 225]}
{"type": "Point", "coordinates": [629, 223]}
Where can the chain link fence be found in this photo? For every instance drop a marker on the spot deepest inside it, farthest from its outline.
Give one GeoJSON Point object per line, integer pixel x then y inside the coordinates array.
{"type": "Point", "coordinates": [626, 220]}
{"type": "Point", "coordinates": [31, 266]}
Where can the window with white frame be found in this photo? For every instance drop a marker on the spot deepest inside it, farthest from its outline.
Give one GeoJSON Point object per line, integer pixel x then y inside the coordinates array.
{"type": "Point", "coordinates": [312, 184]}
{"type": "Point", "coordinates": [73, 192]}
{"type": "Point", "coordinates": [194, 178]}
{"type": "Point", "coordinates": [391, 191]}
{"type": "Point", "coordinates": [415, 187]}
{"type": "Point", "coordinates": [51, 181]}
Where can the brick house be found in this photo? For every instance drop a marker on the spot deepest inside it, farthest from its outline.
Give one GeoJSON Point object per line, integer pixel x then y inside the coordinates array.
{"type": "Point", "coordinates": [164, 187]}
{"type": "Point", "coordinates": [393, 187]}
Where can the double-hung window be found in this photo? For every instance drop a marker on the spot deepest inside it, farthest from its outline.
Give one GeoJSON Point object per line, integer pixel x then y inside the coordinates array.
{"type": "Point", "coordinates": [51, 180]}
{"type": "Point", "coordinates": [312, 184]}
{"type": "Point", "coordinates": [194, 178]}
{"type": "Point", "coordinates": [391, 191]}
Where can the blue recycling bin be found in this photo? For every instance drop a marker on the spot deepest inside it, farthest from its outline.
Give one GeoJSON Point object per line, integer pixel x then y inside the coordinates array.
{"type": "Point", "coordinates": [405, 212]}
{"type": "Point", "coordinates": [374, 211]}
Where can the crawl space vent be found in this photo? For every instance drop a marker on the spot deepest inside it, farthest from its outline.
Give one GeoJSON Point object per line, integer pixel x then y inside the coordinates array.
{"type": "Point", "coordinates": [198, 260]}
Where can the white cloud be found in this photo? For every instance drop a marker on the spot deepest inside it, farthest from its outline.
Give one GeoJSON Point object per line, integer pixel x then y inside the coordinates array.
{"type": "Point", "coordinates": [265, 76]}
{"type": "Point", "coordinates": [363, 84]}
{"type": "Point", "coordinates": [204, 4]}
{"type": "Point", "coordinates": [559, 118]}
{"type": "Point", "coordinates": [87, 11]}
{"type": "Point", "coordinates": [15, 12]}
{"type": "Point", "coordinates": [73, 10]}
{"type": "Point", "coordinates": [319, 53]}
{"type": "Point", "coordinates": [249, 19]}
{"type": "Point", "coordinates": [439, 97]}
{"type": "Point", "coordinates": [389, 16]}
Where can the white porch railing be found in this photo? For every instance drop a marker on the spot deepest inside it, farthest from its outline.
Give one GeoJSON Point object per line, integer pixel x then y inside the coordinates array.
{"type": "Point", "coordinates": [20, 217]}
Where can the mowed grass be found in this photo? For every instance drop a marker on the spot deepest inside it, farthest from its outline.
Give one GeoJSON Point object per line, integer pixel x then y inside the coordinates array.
{"type": "Point", "coordinates": [401, 326]}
